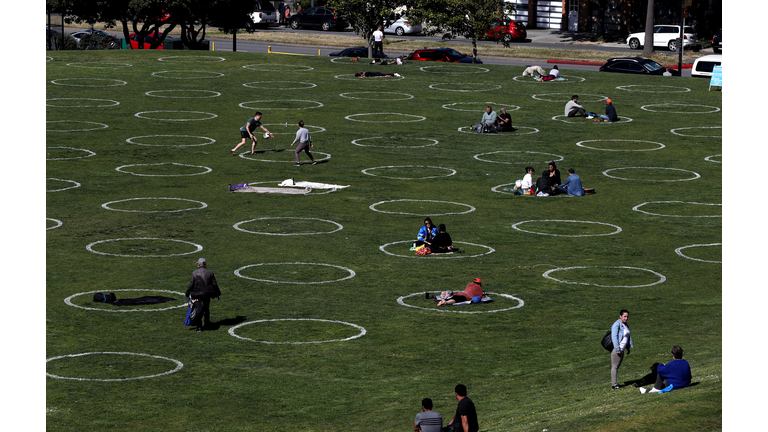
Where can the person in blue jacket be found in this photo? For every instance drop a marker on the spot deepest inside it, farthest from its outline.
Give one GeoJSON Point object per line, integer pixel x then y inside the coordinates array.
{"type": "Point", "coordinates": [426, 233]}
{"type": "Point", "coordinates": [676, 373]}
{"type": "Point", "coordinates": [572, 185]}
{"type": "Point", "coordinates": [622, 342]}
{"type": "Point", "coordinates": [610, 112]}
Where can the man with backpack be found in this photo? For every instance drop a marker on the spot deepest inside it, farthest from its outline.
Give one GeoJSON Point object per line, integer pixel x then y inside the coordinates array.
{"type": "Point", "coordinates": [202, 288]}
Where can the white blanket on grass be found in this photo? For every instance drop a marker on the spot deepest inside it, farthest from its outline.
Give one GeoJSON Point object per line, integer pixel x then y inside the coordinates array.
{"type": "Point", "coordinates": [313, 185]}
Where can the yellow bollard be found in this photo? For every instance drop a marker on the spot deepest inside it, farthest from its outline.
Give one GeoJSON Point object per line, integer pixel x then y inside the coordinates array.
{"type": "Point", "coordinates": [318, 52]}
{"type": "Point", "coordinates": [269, 49]}
{"type": "Point", "coordinates": [213, 46]}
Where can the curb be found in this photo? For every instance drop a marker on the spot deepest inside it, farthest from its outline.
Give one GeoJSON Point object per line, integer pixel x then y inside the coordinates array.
{"type": "Point", "coordinates": [583, 63]}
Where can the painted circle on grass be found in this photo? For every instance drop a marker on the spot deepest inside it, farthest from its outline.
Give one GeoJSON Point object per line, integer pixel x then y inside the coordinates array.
{"type": "Point", "coordinates": [482, 105]}
{"type": "Point", "coordinates": [468, 87]}
{"type": "Point", "coordinates": [247, 155]}
{"type": "Point", "coordinates": [134, 140]}
{"type": "Point", "coordinates": [192, 59]}
{"type": "Point", "coordinates": [675, 131]}
{"type": "Point", "coordinates": [374, 205]}
{"type": "Point", "coordinates": [695, 175]}
{"type": "Point", "coordinates": [106, 205]}
{"type": "Point", "coordinates": [178, 367]}
{"type": "Point", "coordinates": [349, 96]}
{"type": "Point", "coordinates": [100, 65]}
{"type": "Point", "coordinates": [558, 221]}
{"type": "Point", "coordinates": [469, 130]}
{"type": "Point", "coordinates": [434, 142]}
{"type": "Point", "coordinates": [581, 144]}
{"type": "Point", "coordinates": [709, 109]}
{"type": "Point", "coordinates": [546, 160]}
{"type": "Point", "coordinates": [452, 172]}
{"type": "Point", "coordinates": [450, 309]}
{"type": "Point", "coordinates": [568, 79]}
{"type": "Point", "coordinates": [190, 74]}
{"type": "Point", "coordinates": [573, 120]}
{"type": "Point", "coordinates": [75, 184]}
{"type": "Point", "coordinates": [88, 153]}
{"type": "Point", "coordinates": [276, 183]}
{"type": "Point", "coordinates": [711, 158]}
{"type": "Point", "coordinates": [280, 85]}
{"type": "Point", "coordinates": [273, 67]}
{"type": "Point", "coordinates": [236, 226]}
{"type": "Point", "coordinates": [498, 190]}
{"type": "Point", "coordinates": [243, 104]}
{"type": "Point", "coordinates": [89, 82]}
{"type": "Point", "coordinates": [679, 251]}
{"type": "Point", "coordinates": [68, 300]}
{"type": "Point", "coordinates": [654, 88]}
{"type": "Point", "coordinates": [411, 254]}
{"type": "Point", "coordinates": [74, 122]}
{"type": "Point", "coordinates": [350, 276]}
{"type": "Point", "coordinates": [210, 94]}
{"type": "Point", "coordinates": [454, 69]}
{"type": "Point", "coordinates": [143, 115]}
{"type": "Point", "coordinates": [58, 223]}
{"type": "Point", "coordinates": [637, 208]}
{"type": "Point", "coordinates": [92, 104]}
{"type": "Point", "coordinates": [384, 115]}
{"type": "Point", "coordinates": [90, 248]}
{"type": "Point", "coordinates": [206, 169]}
{"type": "Point", "coordinates": [362, 331]}
{"type": "Point", "coordinates": [661, 277]}
{"type": "Point", "coordinates": [556, 97]}
{"type": "Point", "coordinates": [352, 77]}
{"type": "Point", "coordinates": [310, 128]}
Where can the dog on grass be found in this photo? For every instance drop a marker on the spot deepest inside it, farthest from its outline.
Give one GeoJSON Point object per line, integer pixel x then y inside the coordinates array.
{"type": "Point", "coordinates": [355, 59]}
{"type": "Point", "coordinates": [533, 71]}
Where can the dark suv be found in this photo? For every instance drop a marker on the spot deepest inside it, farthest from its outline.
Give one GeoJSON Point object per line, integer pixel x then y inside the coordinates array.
{"type": "Point", "coordinates": [635, 65]}
{"type": "Point", "coordinates": [448, 55]}
{"type": "Point", "coordinates": [318, 17]}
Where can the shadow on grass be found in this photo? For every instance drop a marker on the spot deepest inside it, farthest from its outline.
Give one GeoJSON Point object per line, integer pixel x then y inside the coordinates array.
{"type": "Point", "coordinates": [227, 322]}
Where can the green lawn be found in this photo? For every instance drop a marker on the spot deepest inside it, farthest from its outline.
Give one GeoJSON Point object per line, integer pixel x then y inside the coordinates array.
{"type": "Point", "coordinates": [532, 362]}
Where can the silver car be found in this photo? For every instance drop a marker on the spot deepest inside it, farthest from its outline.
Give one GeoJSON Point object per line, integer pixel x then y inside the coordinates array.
{"type": "Point", "coordinates": [403, 26]}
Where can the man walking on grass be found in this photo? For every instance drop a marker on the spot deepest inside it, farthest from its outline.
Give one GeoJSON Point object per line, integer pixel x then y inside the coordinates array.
{"type": "Point", "coordinates": [203, 288]}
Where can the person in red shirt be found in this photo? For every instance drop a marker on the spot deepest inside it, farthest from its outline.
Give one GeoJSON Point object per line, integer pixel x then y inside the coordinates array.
{"type": "Point", "coordinates": [474, 289]}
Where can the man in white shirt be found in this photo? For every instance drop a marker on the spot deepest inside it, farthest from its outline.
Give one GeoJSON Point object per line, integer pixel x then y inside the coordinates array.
{"type": "Point", "coordinates": [378, 43]}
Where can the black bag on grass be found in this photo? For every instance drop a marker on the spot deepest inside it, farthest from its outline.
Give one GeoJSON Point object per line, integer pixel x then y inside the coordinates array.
{"type": "Point", "coordinates": [104, 298]}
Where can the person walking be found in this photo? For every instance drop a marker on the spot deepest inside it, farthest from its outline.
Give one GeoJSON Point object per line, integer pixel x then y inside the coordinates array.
{"type": "Point", "coordinates": [466, 415]}
{"type": "Point", "coordinates": [622, 342]}
{"type": "Point", "coordinates": [203, 288]}
{"type": "Point", "coordinates": [305, 142]}
{"type": "Point", "coordinates": [281, 13]}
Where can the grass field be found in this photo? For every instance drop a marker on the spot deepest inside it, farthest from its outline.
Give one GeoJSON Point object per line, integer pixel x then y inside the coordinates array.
{"type": "Point", "coordinates": [560, 268]}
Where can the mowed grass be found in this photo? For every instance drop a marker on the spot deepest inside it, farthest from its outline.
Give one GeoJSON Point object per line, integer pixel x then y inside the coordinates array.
{"type": "Point", "coordinates": [531, 362]}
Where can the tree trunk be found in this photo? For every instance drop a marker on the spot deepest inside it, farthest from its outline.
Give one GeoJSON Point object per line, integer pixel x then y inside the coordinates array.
{"type": "Point", "coordinates": [532, 13]}
{"type": "Point", "coordinates": [234, 40]}
{"type": "Point", "coordinates": [648, 45]}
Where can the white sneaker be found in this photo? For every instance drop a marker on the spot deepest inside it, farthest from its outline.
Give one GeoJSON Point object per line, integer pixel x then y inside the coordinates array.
{"type": "Point", "coordinates": [397, 74]}
{"type": "Point", "coordinates": [642, 390]}
{"type": "Point", "coordinates": [590, 117]}
{"type": "Point", "coordinates": [653, 390]}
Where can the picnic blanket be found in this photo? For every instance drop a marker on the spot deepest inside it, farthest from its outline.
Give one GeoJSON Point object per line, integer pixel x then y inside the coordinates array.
{"type": "Point", "coordinates": [486, 299]}
{"type": "Point", "coordinates": [292, 183]}
{"type": "Point", "coordinates": [245, 187]}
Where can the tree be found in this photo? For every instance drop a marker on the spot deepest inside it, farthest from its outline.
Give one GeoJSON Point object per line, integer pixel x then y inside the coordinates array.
{"type": "Point", "coordinates": [365, 16]}
{"type": "Point", "coordinates": [648, 46]}
{"type": "Point", "coordinates": [230, 16]}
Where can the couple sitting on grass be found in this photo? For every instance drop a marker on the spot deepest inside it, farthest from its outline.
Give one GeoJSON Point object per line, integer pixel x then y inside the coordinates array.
{"type": "Point", "coordinates": [437, 240]}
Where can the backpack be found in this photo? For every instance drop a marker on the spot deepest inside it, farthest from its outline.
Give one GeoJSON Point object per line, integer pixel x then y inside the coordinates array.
{"type": "Point", "coordinates": [606, 342]}
{"type": "Point", "coordinates": [104, 298]}
{"type": "Point", "coordinates": [479, 127]}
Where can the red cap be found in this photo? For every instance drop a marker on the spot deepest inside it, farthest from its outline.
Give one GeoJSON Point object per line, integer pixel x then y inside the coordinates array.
{"type": "Point", "coordinates": [607, 101]}
{"type": "Point", "coordinates": [477, 281]}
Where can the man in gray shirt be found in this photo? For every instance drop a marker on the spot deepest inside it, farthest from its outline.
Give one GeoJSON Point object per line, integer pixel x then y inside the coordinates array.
{"type": "Point", "coordinates": [428, 420]}
{"type": "Point", "coordinates": [305, 142]}
{"type": "Point", "coordinates": [573, 107]}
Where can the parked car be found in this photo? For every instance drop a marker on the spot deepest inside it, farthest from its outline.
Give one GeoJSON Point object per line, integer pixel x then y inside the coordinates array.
{"type": "Point", "coordinates": [703, 66]}
{"type": "Point", "coordinates": [664, 36]}
{"type": "Point", "coordinates": [359, 51]}
{"type": "Point", "coordinates": [635, 65]}
{"type": "Point", "coordinates": [263, 14]}
{"type": "Point", "coordinates": [508, 30]}
{"type": "Point", "coordinates": [717, 41]}
{"type": "Point", "coordinates": [402, 26]}
{"type": "Point", "coordinates": [110, 41]}
{"type": "Point", "coordinates": [441, 55]}
{"type": "Point", "coordinates": [148, 40]}
{"type": "Point", "coordinates": [318, 17]}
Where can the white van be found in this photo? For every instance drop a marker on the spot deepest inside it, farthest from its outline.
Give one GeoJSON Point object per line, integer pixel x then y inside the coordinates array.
{"type": "Point", "coordinates": [264, 13]}
{"type": "Point", "coordinates": [703, 66]}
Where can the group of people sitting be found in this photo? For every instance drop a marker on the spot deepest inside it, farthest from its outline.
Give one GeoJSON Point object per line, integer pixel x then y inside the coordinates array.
{"type": "Point", "coordinates": [434, 239]}
{"type": "Point", "coordinates": [549, 183]}
{"type": "Point", "coordinates": [495, 123]}
{"type": "Point", "coordinates": [574, 109]}
{"type": "Point", "coordinates": [537, 73]}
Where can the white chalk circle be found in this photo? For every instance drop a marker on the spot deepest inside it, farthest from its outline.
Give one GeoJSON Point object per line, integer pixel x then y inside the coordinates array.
{"type": "Point", "coordinates": [362, 331]}
{"type": "Point", "coordinates": [462, 309]}
{"type": "Point", "coordinates": [415, 167]}
{"type": "Point", "coordinates": [674, 131]}
{"type": "Point", "coordinates": [374, 205]}
{"type": "Point", "coordinates": [525, 153]}
{"type": "Point", "coordinates": [192, 59]}
{"type": "Point", "coordinates": [267, 67]}
{"type": "Point", "coordinates": [247, 155]}
{"type": "Point", "coordinates": [652, 88]}
{"type": "Point", "coordinates": [276, 183]}
{"type": "Point", "coordinates": [198, 248]}
{"type": "Point", "coordinates": [395, 139]}
{"type": "Point", "coordinates": [68, 300]}
{"type": "Point", "coordinates": [661, 277]}
{"type": "Point", "coordinates": [710, 109]}
{"type": "Point", "coordinates": [557, 221]}
{"type": "Point", "coordinates": [88, 153]}
{"type": "Point", "coordinates": [178, 367]}
{"type": "Point", "coordinates": [310, 128]}
{"type": "Point", "coordinates": [76, 184]}
{"type": "Point", "coordinates": [206, 169]}
{"type": "Point", "coordinates": [280, 85]}
{"type": "Point", "coordinates": [499, 189]}
{"type": "Point", "coordinates": [582, 120]}
{"type": "Point", "coordinates": [658, 146]}
{"type": "Point", "coordinates": [135, 140]}
{"type": "Point", "coordinates": [454, 69]}
{"type": "Point", "coordinates": [695, 175]}
{"type": "Point", "coordinates": [89, 82]}
{"type": "Point", "coordinates": [468, 87]}
{"type": "Point", "coordinates": [679, 251]}
{"type": "Point", "coordinates": [106, 205]}
{"type": "Point", "coordinates": [386, 117]}
{"type": "Point", "coordinates": [405, 96]}
{"type": "Point", "coordinates": [239, 228]}
{"type": "Point", "coordinates": [565, 97]}
{"type": "Point", "coordinates": [411, 254]}
{"type": "Point", "coordinates": [100, 65]}
{"type": "Point", "coordinates": [203, 94]}
{"type": "Point", "coordinates": [143, 115]}
{"type": "Point", "coordinates": [352, 77]}
{"type": "Point", "coordinates": [470, 130]}
{"type": "Point", "coordinates": [94, 103]}
{"type": "Point", "coordinates": [199, 74]}
{"type": "Point", "coordinates": [637, 208]}
{"type": "Point", "coordinates": [58, 223]}
{"type": "Point", "coordinates": [350, 276]}
{"type": "Point", "coordinates": [568, 79]}
{"type": "Point", "coordinates": [711, 158]}
{"type": "Point", "coordinates": [480, 106]}
{"type": "Point", "coordinates": [243, 104]}
{"type": "Point", "coordinates": [74, 122]}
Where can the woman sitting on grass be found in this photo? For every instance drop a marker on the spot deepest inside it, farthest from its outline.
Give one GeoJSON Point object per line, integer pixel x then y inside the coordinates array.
{"type": "Point", "coordinates": [442, 242]}
{"type": "Point", "coordinates": [426, 233]}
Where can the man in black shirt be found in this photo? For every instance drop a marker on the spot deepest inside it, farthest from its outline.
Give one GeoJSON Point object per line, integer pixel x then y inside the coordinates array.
{"type": "Point", "coordinates": [203, 288]}
{"type": "Point", "coordinates": [465, 411]}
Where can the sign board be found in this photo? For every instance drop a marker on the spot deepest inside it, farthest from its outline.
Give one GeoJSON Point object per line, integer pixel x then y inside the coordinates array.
{"type": "Point", "coordinates": [717, 77]}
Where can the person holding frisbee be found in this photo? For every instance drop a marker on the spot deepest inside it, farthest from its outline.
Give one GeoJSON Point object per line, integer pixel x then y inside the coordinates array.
{"type": "Point", "coordinates": [247, 132]}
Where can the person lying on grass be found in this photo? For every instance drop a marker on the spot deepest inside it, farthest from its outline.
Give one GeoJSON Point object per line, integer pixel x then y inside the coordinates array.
{"type": "Point", "coordinates": [473, 291]}
{"type": "Point", "coordinates": [375, 75]}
